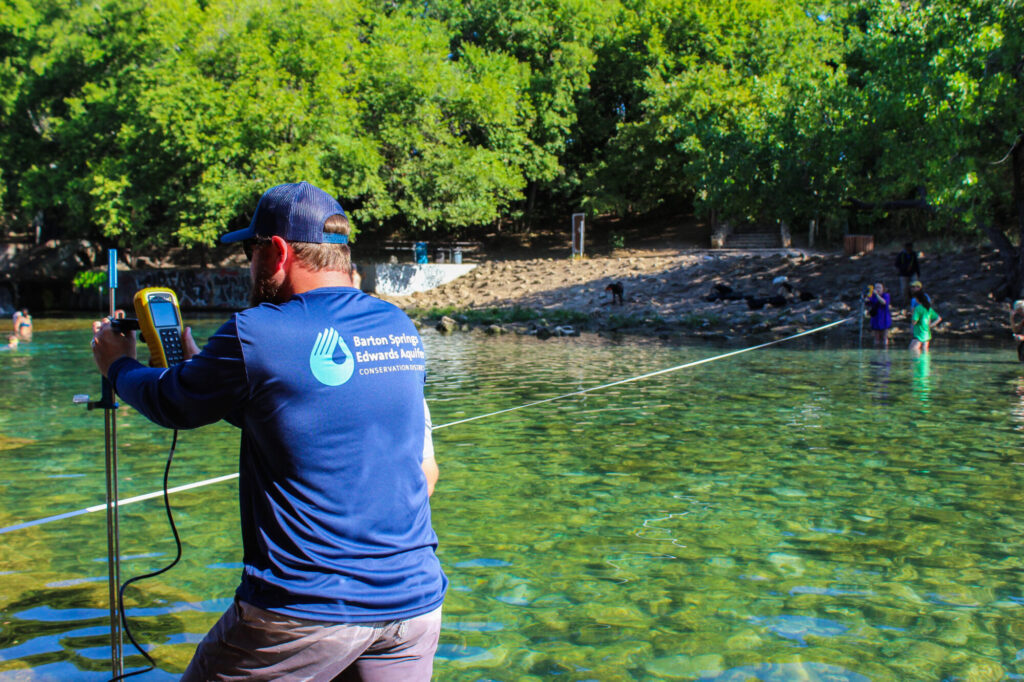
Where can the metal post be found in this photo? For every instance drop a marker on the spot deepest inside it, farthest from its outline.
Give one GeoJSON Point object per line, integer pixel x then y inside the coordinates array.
{"type": "Point", "coordinates": [860, 334]}
{"type": "Point", "coordinates": [113, 532]}
{"type": "Point", "coordinates": [577, 234]}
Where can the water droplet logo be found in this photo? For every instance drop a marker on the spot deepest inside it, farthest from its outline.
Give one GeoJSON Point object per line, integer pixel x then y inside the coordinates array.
{"type": "Point", "coordinates": [321, 359]}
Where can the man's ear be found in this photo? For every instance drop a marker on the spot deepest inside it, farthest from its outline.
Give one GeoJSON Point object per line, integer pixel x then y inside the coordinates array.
{"type": "Point", "coordinates": [281, 252]}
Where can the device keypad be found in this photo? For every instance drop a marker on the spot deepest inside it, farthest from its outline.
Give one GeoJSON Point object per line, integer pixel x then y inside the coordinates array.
{"type": "Point", "coordinates": [170, 339]}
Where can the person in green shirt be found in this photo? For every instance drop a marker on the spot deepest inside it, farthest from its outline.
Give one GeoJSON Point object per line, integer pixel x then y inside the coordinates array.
{"type": "Point", "coordinates": [921, 324]}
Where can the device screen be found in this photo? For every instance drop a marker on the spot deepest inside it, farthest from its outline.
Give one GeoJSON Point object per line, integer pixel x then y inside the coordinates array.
{"type": "Point", "coordinates": [163, 313]}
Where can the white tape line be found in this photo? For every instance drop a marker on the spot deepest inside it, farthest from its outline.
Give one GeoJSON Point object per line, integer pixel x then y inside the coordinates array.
{"type": "Point", "coordinates": [228, 477]}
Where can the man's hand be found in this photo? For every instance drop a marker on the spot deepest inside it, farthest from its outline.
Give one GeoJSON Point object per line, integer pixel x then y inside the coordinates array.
{"type": "Point", "coordinates": [188, 344]}
{"type": "Point", "coordinates": [109, 345]}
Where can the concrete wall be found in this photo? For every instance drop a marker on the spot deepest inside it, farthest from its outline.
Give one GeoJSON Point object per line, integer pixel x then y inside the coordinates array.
{"type": "Point", "coordinates": [401, 279]}
{"type": "Point", "coordinates": [228, 288]}
{"type": "Point", "coordinates": [220, 289]}
{"type": "Point", "coordinates": [39, 277]}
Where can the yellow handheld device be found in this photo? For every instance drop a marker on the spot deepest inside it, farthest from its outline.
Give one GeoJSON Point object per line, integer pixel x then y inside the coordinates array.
{"type": "Point", "coordinates": [160, 323]}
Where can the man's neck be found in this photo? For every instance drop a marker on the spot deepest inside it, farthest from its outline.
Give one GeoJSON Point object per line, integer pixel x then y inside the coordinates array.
{"type": "Point", "coordinates": [301, 280]}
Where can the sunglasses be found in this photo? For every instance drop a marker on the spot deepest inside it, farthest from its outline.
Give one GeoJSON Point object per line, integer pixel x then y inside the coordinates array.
{"type": "Point", "coordinates": [249, 244]}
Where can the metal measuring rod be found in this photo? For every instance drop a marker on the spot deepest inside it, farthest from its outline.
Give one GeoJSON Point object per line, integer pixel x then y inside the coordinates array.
{"type": "Point", "coordinates": [109, 406]}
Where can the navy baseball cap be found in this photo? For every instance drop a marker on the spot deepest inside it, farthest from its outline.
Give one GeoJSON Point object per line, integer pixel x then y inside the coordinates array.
{"type": "Point", "coordinates": [295, 212]}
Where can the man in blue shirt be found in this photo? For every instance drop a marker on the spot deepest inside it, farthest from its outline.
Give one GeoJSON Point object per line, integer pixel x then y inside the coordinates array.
{"type": "Point", "coordinates": [340, 575]}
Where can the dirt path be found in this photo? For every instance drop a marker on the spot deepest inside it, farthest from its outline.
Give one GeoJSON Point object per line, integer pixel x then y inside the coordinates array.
{"type": "Point", "coordinates": [666, 290]}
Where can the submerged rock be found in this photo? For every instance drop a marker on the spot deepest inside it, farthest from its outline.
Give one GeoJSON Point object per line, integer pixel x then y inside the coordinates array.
{"type": "Point", "coordinates": [687, 667]}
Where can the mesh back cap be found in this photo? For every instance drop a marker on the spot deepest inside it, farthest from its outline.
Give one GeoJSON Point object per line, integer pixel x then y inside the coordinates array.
{"type": "Point", "coordinates": [296, 212]}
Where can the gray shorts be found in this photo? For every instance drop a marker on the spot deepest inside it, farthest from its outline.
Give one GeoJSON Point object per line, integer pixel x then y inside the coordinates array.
{"type": "Point", "coordinates": [250, 643]}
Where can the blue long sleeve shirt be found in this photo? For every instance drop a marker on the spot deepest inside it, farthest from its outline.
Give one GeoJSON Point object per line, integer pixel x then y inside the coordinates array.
{"type": "Point", "coordinates": [327, 389]}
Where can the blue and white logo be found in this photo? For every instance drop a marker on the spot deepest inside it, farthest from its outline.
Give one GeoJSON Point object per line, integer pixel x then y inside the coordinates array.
{"type": "Point", "coordinates": [322, 363]}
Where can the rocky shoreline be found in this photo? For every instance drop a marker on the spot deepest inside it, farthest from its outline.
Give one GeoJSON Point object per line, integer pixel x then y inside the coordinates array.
{"type": "Point", "coordinates": [668, 292]}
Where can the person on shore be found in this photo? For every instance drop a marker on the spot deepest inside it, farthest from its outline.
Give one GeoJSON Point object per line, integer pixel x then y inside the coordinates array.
{"type": "Point", "coordinates": [23, 324]}
{"type": "Point", "coordinates": [907, 268]}
{"type": "Point", "coordinates": [341, 578]}
{"type": "Point", "coordinates": [923, 321]}
{"type": "Point", "coordinates": [917, 288]}
{"type": "Point", "coordinates": [878, 302]}
{"type": "Point", "coordinates": [1017, 327]}
{"type": "Point", "coordinates": [784, 290]}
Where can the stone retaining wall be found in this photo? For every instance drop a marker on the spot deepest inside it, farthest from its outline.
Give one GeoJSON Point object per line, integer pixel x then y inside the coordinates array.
{"type": "Point", "coordinates": [228, 288]}
{"type": "Point", "coordinates": [207, 289]}
{"type": "Point", "coordinates": [39, 277]}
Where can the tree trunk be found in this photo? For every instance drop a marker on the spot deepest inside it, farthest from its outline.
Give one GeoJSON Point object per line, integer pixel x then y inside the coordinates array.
{"type": "Point", "coordinates": [531, 204]}
{"type": "Point", "coordinates": [1011, 284]}
{"type": "Point", "coordinates": [1013, 257]}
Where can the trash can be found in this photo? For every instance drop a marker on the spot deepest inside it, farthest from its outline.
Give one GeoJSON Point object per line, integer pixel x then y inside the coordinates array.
{"type": "Point", "coordinates": [858, 243]}
{"type": "Point", "coordinates": [421, 252]}
{"type": "Point", "coordinates": [457, 255]}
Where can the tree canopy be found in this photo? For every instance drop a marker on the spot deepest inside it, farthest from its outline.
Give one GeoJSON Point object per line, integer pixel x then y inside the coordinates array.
{"type": "Point", "coordinates": [159, 123]}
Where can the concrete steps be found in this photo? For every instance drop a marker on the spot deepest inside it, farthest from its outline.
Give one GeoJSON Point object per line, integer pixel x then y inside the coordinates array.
{"type": "Point", "coordinates": [753, 240]}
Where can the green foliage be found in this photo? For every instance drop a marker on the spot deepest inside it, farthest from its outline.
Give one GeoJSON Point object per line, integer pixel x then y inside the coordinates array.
{"type": "Point", "coordinates": [554, 40]}
{"type": "Point", "coordinates": [88, 279]}
{"type": "Point", "coordinates": [697, 321]}
{"type": "Point", "coordinates": [943, 83]}
{"type": "Point", "coordinates": [159, 123]}
{"type": "Point", "coordinates": [621, 321]}
{"type": "Point", "coordinates": [734, 110]}
{"type": "Point", "coordinates": [616, 240]}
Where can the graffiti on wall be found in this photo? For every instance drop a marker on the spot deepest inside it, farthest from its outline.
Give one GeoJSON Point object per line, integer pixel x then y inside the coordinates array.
{"type": "Point", "coordinates": [220, 289]}
{"type": "Point", "coordinates": [401, 279]}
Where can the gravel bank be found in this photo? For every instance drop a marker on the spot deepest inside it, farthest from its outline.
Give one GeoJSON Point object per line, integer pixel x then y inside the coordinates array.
{"type": "Point", "coordinates": [666, 291]}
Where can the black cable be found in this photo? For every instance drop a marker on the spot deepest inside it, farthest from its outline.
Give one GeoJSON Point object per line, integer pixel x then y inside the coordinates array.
{"type": "Point", "coordinates": [120, 592]}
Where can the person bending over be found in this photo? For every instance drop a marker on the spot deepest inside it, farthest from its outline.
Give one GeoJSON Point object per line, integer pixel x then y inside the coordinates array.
{"type": "Point", "coordinates": [340, 578]}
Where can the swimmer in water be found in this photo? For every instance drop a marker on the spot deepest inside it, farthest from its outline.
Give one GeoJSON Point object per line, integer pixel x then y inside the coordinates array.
{"type": "Point", "coordinates": [23, 324]}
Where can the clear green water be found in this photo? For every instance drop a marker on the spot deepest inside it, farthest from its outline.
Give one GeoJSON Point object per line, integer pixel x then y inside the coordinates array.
{"type": "Point", "coordinates": [796, 513]}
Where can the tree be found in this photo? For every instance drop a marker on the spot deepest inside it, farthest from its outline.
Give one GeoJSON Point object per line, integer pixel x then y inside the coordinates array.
{"type": "Point", "coordinates": [161, 123]}
{"type": "Point", "coordinates": [938, 87]}
{"type": "Point", "coordinates": [452, 134]}
{"type": "Point", "coordinates": [555, 40]}
{"type": "Point", "coordinates": [70, 76]}
{"type": "Point", "coordinates": [736, 110]}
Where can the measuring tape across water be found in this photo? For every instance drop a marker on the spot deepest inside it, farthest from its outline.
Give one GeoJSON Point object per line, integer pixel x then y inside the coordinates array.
{"type": "Point", "coordinates": [228, 477]}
